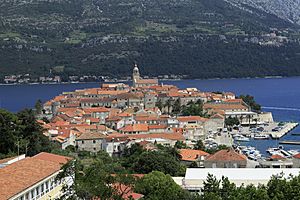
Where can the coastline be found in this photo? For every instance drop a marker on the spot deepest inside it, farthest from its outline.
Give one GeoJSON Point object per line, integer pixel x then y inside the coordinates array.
{"type": "Point", "coordinates": [124, 81]}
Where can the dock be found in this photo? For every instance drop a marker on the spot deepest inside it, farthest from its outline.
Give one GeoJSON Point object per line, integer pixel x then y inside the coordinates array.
{"type": "Point", "coordinates": [296, 134]}
{"type": "Point", "coordinates": [291, 142]}
{"type": "Point", "coordinates": [286, 129]}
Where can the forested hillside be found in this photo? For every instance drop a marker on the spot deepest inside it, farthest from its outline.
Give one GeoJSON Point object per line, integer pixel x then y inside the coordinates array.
{"type": "Point", "coordinates": [198, 38]}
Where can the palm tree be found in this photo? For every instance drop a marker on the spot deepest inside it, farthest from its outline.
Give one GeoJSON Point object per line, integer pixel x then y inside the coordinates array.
{"type": "Point", "coordinates": [168, 104]}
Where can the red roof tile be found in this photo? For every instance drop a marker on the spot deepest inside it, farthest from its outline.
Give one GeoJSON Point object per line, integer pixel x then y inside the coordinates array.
{"type": "Point", "coordinates": [191, 154]}
{"type": "Point", "coordinates": [226, 155]}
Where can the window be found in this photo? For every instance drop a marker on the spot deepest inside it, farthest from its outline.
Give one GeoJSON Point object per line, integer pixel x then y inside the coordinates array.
{"type": "Point", "coordinates": [47, 185]}
{"type": "Point", "coordinates": [37, 190]}
{"type": "Point", "coordinates": [82, 142]}
{"type": "Point", "coordinates": [32, 194]}
{"type": "Point", "coordinates": [94, 141]}
{"type": "Point", "coordinates": [94, 149]}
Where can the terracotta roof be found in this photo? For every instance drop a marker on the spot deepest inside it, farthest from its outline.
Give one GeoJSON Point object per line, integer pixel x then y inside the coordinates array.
{"type": "Point", "coordinates": [90, 136]}
{"type": "Point", "coordinates": [158, 126]}
{"type": "Point", "coordinates": [169, 136]}
{"type": "Point", "coordinates": [95, 110]}
{"type": "Point", "coordinates": [116, 137]}
{"type": "Point", "coordinates": [226, 155]}
{"type": "Point", "coordinates": [125, 114]}
{"type": "Point", "coordinates": [135, 128]}
{"type": "Point", "coordinates": [223, 106]}
{"type": "Point", "coordinates": [146, 118]}
{"type": "Point", "coordinates": [147, 81]}
{"type": "Point", "coordinates": [277, 157]}
{"type": "Point", "coordinates": [190, 118]}
{"type": "Point", "coordinates": [7, 159]}
{"type": "Point", "coordinates": [128, 96]}
{"type": "Point", "coordinates": [191, 154]}
{"type": "Point", "coordinates": [217, 116]}
{"type": "Point", "coordinates": [52, 158]}
{"type": "Point", "coordinates": [22, 174]}
{"type": "Point", "coordinates": [297, 156]}
{"type": "Point", "coordinates": [92, 119]}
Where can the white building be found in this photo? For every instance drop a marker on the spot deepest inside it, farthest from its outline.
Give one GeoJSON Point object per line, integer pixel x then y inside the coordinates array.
{"type": "Point", "coordinates": [195, 177]}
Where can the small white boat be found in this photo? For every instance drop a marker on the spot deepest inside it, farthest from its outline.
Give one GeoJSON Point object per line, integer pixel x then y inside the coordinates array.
{"type": "Point", "coordinates": [261, 137]}
{"type": "Point", "coordinates": [293, 152]}
{"type": "Point", "coordinates": [241, 138]}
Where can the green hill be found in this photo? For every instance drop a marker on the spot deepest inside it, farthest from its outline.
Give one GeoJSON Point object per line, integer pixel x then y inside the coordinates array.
{"type": "Point", "coordinates": [199, 38]}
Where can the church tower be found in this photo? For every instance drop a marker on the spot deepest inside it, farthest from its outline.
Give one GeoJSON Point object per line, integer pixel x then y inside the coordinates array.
{"type": "Point", "coordinates": [135, 75]}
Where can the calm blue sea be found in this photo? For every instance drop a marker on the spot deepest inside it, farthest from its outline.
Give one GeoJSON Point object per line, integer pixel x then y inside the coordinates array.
{"type": "Point", "coordinates": [281, 96]}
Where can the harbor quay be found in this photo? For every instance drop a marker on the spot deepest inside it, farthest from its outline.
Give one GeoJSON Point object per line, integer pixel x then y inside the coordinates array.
{"type": "Point", "coordinates": [275, 130]}
{"type": "Point", "coordinates": [286, 129]}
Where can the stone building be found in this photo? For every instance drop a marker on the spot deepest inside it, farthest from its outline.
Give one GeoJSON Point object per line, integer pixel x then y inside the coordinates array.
{"type": "Point", "coordinates": [227, 158]}
{"type": "Point", "coordinates": [92, 142]}
{"type": "Point", "coordinates": [137, 81]}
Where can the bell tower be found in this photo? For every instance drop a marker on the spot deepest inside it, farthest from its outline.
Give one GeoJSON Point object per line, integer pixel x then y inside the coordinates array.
{"type": "Point", "coordinates": [135, 75]}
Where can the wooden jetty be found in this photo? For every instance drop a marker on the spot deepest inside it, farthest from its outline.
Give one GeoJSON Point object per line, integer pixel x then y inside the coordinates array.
{"type": "Point", "coordinates": [291, 142]}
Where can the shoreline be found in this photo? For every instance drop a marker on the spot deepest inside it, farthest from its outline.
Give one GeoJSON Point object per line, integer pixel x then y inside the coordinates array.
{"type": "Point", "coordinates": [173, 80]}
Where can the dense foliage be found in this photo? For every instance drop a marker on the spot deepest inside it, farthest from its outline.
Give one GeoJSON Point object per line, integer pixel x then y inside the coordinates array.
{"type": "Point", "coordinates": [231, 121]}
{"type": "Point", "coordinates": [157, 185]}
{"type": "Point", "coordinates": [193, 109]}
{"type": "Point", "coordinates": [250, 101]}
{"type": "Point", "coordinates": [201, 39]}
{"type": "Point", "coordinates": [97, 175]}
{"type": "Point", "coordinates": [21, 134]}
{"type": "Point", "coordinates": [277, 188]}
{"type": "Point", "coordinates": [165, 159]}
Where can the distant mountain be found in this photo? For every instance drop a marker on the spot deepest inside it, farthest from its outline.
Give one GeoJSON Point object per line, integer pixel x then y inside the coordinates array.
{"type": "Point", "coordinates": [197, 38]}
{"type": "Point", "coordinates": [285, 9]}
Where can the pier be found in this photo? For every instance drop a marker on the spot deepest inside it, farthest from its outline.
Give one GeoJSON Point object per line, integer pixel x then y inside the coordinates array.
{"type": "Point", "coordinates": [291, 142]}
{"type": "Point", "coordinates": [296, 134]}
{"type": "Point", "coordinates": [287, 128]}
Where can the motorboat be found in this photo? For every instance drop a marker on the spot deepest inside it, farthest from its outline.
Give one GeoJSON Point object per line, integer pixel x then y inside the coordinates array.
{"type": "Point", "coordinates": [241, 138]}
{"type": "Point", "coordinates": [261, 137]}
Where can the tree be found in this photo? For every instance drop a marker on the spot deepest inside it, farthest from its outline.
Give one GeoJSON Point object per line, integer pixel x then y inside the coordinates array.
{"type": "Point", "coordinates": [231, 121]}
{"type": "Point", "coordinates": [180, 145]}
{"type": "Point", "coordinates": [199, 145]}
{"type": "Point", "coordinates": [95, 180]}
{"type": "Point", "coordinates": [21, 134]}
{"type": "Point", "coordinates": [177, 106]}
{"type": "Point", "coordinates": [33, 133]}
{"type": "Point", "coordinates": [250, 101]}
{"type": "Point", "coordinates": [227, 190]}
{"type": "Point", "coordinates": [157, 185]}
{"type": "Point", "coordinates": [157, 161]}
{"type": "Point", "coordinates": [211, 188]}
{"type": "Point", "coordinates": [168, 104]}
{"type": "Point", "coordinates": [9, 132]}
{"type": "Point", "coordinates": [193, 109]}
{"type": "Point", "coordinates": [38, 106]}
{"type": "Point", "coordinates": [159, 104]}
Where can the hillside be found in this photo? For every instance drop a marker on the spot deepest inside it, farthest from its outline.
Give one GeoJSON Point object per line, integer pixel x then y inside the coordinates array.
{"type": "Point", "coordinates": [288, 10]}
{"type": "Point", "coordinates": [198, 38]}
